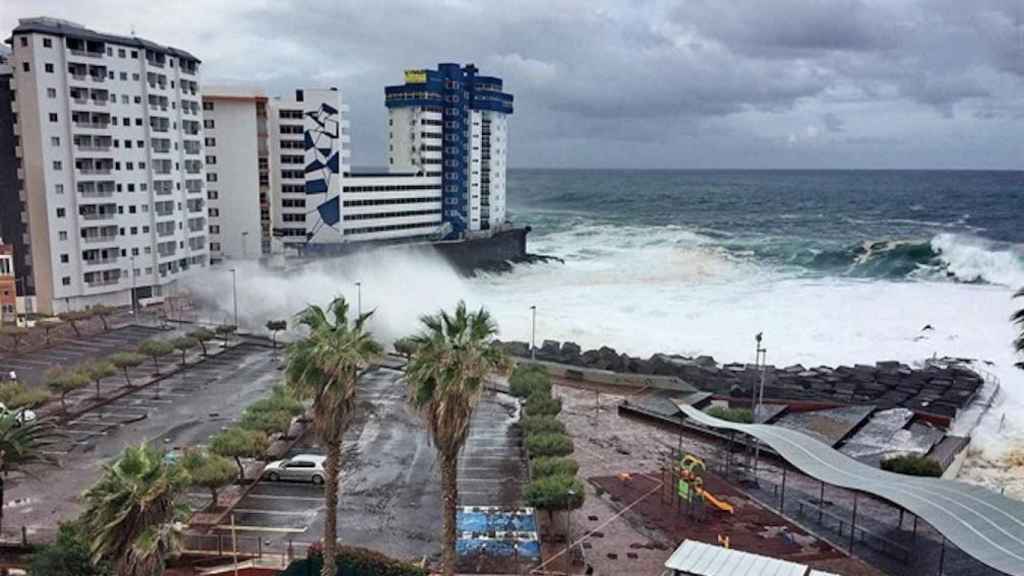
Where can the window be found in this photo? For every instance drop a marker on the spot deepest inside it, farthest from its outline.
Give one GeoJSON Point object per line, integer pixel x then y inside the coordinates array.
{"type": "Point", "coordinates": [53, 116]}
{"type": "Point", "coordinates": [140, 143]}
{"type": "Point", "coordinates": [62, 235]}
{"type": "Point", "coordinates": [64, 259]}
{"type": "Point", "coordinates": [138, 121]}
{"type": "Point", "coordinates": [54, 140]}
{"type": "Point", "coordinates": [135, 76]}
{"type": "Point", "coordinates": [25, 66]}
{"type": "Point", "coordinates": [129, 166]}
{"type": "Point", "coordinates": [137, 99]}
{"type": "Point", "coordinates": [51, 92]}
{"type": "Point", "coordinates": [124, 75]}
{"type": "Point", "coordinates": [214, 229]}
{"type": "Point", "coordinates": [135, 54]}
{"type": "Point", "coordinates": [58, 165]}
{"type": "Point", "coordinates": [214, 213]}
{"type": "Point", "coordinates": [212, 194]}
{"type": "Point", "coordinates": [208, 123]}
{"type": "Point", "coordinates": [207, 105]}
{"type": "Point", "coordinates": [66, 281]}
{"type": "Point", "coordinates": [134, 231]}
{"type": "Point", "coordinates": [131, 188]}
{"type": "Point", "coordinates": [131, 209]}
{"type": "Point", "coordinates": [121, 53]}
{"type": "Point", "coordinates": [126, 121]}
{"type": "Point", "coordinates": [58, 188]}
{"type": "Point", "coordinates": [60, 212]}
{"type": "Point", "coordinates": [210, 141]}
{"type": "Point", "coordinates": [48, 68]}
{"type": "Point", "coordinates": [127, 143]}
{"type": "Point", "coordinates": [125, 99]}
{"type": "Point", "coordinates": [24, 40]}
{"type": "Point", "coordinates": [211, 177]}
{"type": "Point", "coordinates": [211, 159]}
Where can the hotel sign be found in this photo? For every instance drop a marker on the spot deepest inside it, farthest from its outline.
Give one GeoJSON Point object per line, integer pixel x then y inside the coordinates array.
{"type": "Point", "coordinates": [415, 76]}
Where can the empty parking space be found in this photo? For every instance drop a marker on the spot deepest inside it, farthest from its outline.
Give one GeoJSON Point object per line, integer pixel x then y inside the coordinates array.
{"type": "Point", "coordinates": [31, 366]}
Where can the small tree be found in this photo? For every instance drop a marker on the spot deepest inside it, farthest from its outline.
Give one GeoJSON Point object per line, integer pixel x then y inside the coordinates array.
{"type": "Point", "coordinates": [156, 349]}
{"type": "Point", "coordinates": [16, 396]}
{"type": "Point", "coordinates": [276, 326]}
{"type": "Point", "coordinates": [97, 371]}
{"type": "Point", "coordinates": [62, 381]}
{"type": "Point", "coordinates": [74, 318]}
{"type": "Point", "coordinates": [541, 425]}
{"type": "Point", "coordinates": [69, 555]}
{"type": "Point", "coordinates": [126, 360]}
{"type": "Point", "coordinates": [540, 404]}
{"type": "Point", "coordinates": [183, 344]}
{"type": "Point", "coordinates": [49, 325]}
{"type": "Point", "coordinates": [553, 466]}
{"type": "Point", "coordinates": [266, 422]}
{"type": "Point", "coordinates": [405, 346]}
{"type": "Point", "coordinates": [210, 471]}
{"type": "Point", "coordinates": [103, 312]}
{"type": "Point", "coordinates": [202, 336]}
{"type": "Point", "coordinates": [525, 380]}
{"type": "Point", "coordinates": [16, 334]}
{"type": "Point", "coordinates": [240, 443]}
{"type": "Point", "coordinates": [225, 331]}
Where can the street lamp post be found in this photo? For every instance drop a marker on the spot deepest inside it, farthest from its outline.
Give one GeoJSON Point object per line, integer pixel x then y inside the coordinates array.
{"type": "Point", "coordinates": [134, 309]}
{"type": "Point", "coordinates": [757, 396]}
{"type": "Point", "coordinates": [533, 333]}
{"type": "Point", "coordinates": [359, 298]}
{"type": "Point", "coordinates": [234, 293]}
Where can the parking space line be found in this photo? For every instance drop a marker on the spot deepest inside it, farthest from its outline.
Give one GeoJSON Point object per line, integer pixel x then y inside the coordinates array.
{"type": "Point", "coordinates": [240, 528]}
{"type": "Point", "coordinates": [297, 498]}
{"type": "Point", "coordinates": [304, 513]}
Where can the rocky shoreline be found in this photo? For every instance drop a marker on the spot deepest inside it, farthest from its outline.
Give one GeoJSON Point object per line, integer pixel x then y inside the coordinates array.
{"type": "Point", "coordinates": [938, 389]}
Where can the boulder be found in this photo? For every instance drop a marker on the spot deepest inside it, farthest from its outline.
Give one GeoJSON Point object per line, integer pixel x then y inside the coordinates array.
{"type": "Point", "coordinates": [515, 348]}
{"type": "Point", "coordinates": [549, 350]}
{"type": "Point", "coordinates": [571, 352]}
{"type": "Point", "coordinates": [705, 361]}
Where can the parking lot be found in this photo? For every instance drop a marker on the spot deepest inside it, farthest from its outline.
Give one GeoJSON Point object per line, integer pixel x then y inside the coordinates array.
{"type": "Point", "coordinates": [390, 489]}
{"type": "Point", "coordinates": [31, 366]}
{"type": "Point", "coordinates": [185, 409]}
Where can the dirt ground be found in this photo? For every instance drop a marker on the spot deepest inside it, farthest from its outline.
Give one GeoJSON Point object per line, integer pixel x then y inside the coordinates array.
{"type": "Point", "coordinates": [633, 527]}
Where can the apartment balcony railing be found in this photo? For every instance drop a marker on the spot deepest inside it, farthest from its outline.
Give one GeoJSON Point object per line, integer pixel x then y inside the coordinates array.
{"type": "Point", "coordinates": [92, 125]}
{"type": "Point", "coordinates": [86, 53]}
{"type": "Point", "coordinates": [94, 171]}
{"type": "Point", "coordinates": [93, 147]}
{"type": "Point", "coordinates": [154, 62]}
{"type": "Point", "coordinates": [97, 193]}
{"type": "Point", "coordinates": [99, 79]}
{"type": "Point", "coordinates": [99, 215]}
{"type": "Point", "coordinates": [100, 238]}
{"type": "Point", "coordinates": [101, 261]}
{"type": "Point", "coordinates": [159, 128]}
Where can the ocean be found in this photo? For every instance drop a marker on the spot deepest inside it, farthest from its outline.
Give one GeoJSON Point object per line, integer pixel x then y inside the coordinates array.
{"type": "Point", "coordinates": [834, 267]}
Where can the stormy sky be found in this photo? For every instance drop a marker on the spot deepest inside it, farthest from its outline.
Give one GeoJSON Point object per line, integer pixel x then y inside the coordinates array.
{"type": "Point", "coordinates": [644, 83]}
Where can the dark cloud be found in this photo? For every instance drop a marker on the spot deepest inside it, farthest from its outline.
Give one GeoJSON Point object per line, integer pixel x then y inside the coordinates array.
{"type": "Point", "coordinates": [677, 83]}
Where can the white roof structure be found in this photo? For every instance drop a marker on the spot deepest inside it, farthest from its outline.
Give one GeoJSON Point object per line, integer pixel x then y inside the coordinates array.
{"type": "Point", "coordinates": [694, 558]}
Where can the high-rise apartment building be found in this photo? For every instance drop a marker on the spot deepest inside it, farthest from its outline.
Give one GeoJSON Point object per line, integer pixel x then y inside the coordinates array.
{"type": "Point", "coordinates": [111, 162]}
{"type": "Point", "coordinates": [451, 123]}
{"type": "Point", "coordinates": [12, 229]}
{"type": "Point", "coordinates": [238, 164]}
{"type": "Point", "coordinates": [310, 149]}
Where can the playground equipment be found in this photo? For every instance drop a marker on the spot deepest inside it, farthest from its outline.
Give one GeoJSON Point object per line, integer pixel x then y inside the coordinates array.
{"type": "Point", "coordinates": [690, 471]}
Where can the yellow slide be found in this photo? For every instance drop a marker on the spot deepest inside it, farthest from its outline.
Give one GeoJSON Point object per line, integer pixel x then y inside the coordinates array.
{"type": "Point", "coordinates": [721, 505]}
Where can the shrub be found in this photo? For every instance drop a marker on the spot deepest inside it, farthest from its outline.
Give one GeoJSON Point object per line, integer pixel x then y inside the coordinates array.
{"type": "Point", "coordinates": [15, 395]}
{"type": "Point", "coordinates": [549, 445]}
{"type": "Point", "coordinates": [280, 400]}
{"type": "Point", "coordinates": [69, 555]}
{"type": "Point", "coordinates": [541, 425]}
{"type": "Point", "coordinates": [912, 465]}
{"type": "Point", "coordinates": [210, 471]}
{"type": "Point", "coordinates": [549, 466]}
{"type": "Point", "coordinates": [739, 415]}
{"type": "Point", "coordinates": [527, 379]}
{"type": "Point", "coordinates": [552, 493]}
{"type": "Point", "coordinates": [266, 422]}
{"type": "Point", "coordinates": [541, 404]}
{"type": "Point", "coordinates": [405, 346]}
{"type": "Point", "coordinates": [354, 561]}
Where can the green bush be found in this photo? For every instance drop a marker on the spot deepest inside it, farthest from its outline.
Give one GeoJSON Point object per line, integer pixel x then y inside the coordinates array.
{"type": "Point", "coordinates": [266, 422]}
{"type": "Point", "coordinates": [541, 404]}
{"type": "Point", "coordinates": [15, 395]}
{"type": "Point", "coordinates": [739, 415]}
{"type": "Point", "coordinates": [551, 466]}
{"type": "Point", "coordinates": [527, 379]}
{"type": "Point", "coordinates": [279, 401]}
{"type": "Point", "coordinates": [541, 425]}
{"type": "Point", "coordinates": [67, 556]}
{"type": "Point", "coordinates": [354, 561]}
{"type": "Point", "coordinates": [912, 465]}
{"type": "Point", "coordinates": [552, 493]}
{"type": "Point", "coordinates": [549, 445]}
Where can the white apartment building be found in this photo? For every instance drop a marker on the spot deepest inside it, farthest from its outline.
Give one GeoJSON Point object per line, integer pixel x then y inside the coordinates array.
{"type": "Point", "coordinates": [238, 164]}
{"type": "Point", "coordinates": [110, 149]}
{"type": "Point", "coordinates": [310, 148]}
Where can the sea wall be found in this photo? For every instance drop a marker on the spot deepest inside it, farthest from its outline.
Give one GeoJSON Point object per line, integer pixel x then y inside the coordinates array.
{"type": "Point", "coordinates": [940, 390]}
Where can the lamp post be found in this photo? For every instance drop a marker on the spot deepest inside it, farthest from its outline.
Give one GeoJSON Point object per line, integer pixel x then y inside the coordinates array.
{"type": "Point", "coordinates": [134, 309]}
{"type": "Point", "coordinates": [533, 332]}
{"type": "Point", "coordinates": [757, 395]}
{"type": "Point", "coordinates": [234, 293]}
{"type": "Point", "coordinates": [359, 298]}
{"type": "Point", "coordinates": [245, 246]}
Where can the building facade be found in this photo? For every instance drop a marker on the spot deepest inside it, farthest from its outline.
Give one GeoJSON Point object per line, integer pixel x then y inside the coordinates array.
{"type": "Point", "coordinates": [238, 164]}
{"type": "Point", "coordinates": [110, 149]}
{"type": "Point", "coordinates": [452, 123]}
{"type": "Point", "coordinates": [8, 288]}
{"type": "Point", "coordinates": [12, 229]}
{"type": "Point", "coordinates": [310, 148]}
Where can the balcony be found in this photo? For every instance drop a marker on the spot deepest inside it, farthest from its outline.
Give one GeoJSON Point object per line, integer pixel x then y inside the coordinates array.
{"type": "Point", "coordinates": [100, 238]}
{"type": "Point", "coordinates": [193, 186]}
{"type": "Point", "coordinates": [110, 260]}
{"type": "Point", "coordinates": [89, 125]}
{"type": "Point", "coordinates": [98, 215]}
{"type": "Point", "coordinates": [100, 281]}
{"type": "Point", "coordinates": [86, 190]}
{"type": "Point", "coordinates": [86, 53]}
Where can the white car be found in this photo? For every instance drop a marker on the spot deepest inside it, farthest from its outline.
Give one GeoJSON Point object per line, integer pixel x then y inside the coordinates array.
{"type": "Point", "coordinates": [24, 415]}
{"type": "Point", "coordinates": [304, 467]}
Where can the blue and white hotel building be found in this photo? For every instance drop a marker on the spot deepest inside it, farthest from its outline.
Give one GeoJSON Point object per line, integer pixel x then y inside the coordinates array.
{"type": "Point", "coordinates": [451, 124]}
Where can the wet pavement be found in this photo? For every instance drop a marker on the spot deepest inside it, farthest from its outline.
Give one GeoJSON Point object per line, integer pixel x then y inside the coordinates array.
{"type": "Point", "coordinates": [185, 409]}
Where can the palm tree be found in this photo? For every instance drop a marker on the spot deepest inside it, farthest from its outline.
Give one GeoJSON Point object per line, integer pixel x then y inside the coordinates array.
{"type": "Point", "coordinates": [130, 513]}
{"type": "Point", "coordinates": [453, 356]}
{"type": "Point", "coordinates": [324, 367]}
{"type": "Point", "coordinates": [23, 445]}
{"type": "Point", "coordinates": [1018, 319]}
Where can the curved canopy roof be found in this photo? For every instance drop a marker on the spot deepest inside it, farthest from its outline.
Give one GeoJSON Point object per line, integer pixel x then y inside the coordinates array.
{"type": "Point", "coordinates": [985, 525]}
